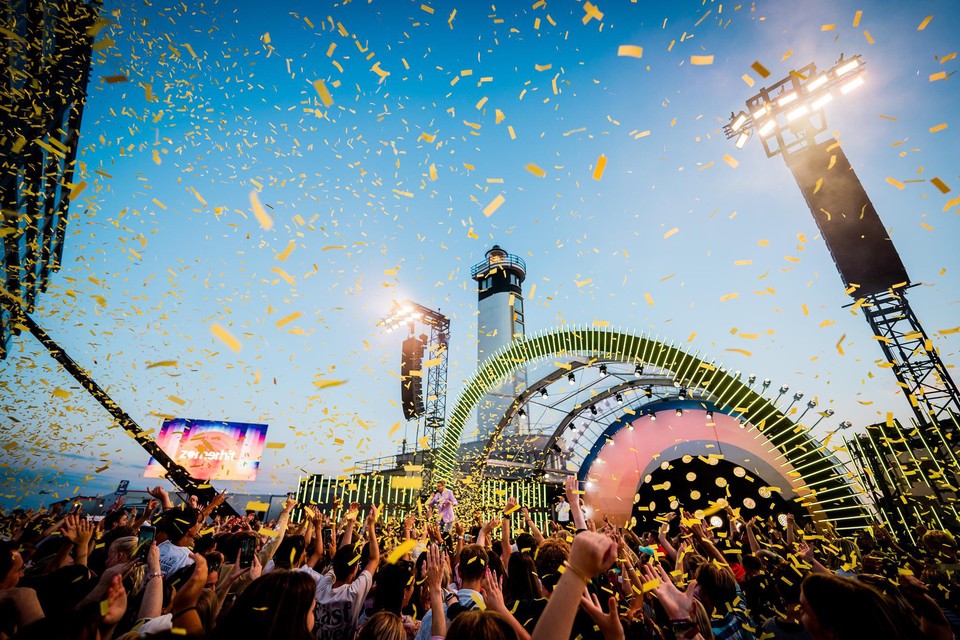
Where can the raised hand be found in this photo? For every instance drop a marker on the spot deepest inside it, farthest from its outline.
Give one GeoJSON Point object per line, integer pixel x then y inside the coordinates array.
{"type": "Point", "coordinates": [493, 592]}
{"type": "Point", "coordinates": [69, 527]}
{"type": "Point", "coordinates": [434, 568]}
{"type": "Point", "coordinates": [115, 604]}
{"type": "Point", "coordinates": [609, 622]}
{"type": "Point", "coordinates": [592, 553]}
{"type": "Point", "coordinates": [676, 604]}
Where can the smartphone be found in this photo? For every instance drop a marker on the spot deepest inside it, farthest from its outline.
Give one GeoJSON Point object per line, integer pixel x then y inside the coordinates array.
{"type": "Point", "coordinates": [247, 550]}
{"type": "Point", "coordinates": [144, 540]}
{"type": "Point", "coordinates": [213, 565]}
{"type": "Point", "coordinates": [327, 536]}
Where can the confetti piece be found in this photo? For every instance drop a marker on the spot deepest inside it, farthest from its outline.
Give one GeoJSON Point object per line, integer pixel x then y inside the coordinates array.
{"type": "Point", "coordinates": [393, 430]}
{"type": "Point", "coordinates": [282, 322]}
{"type": "Point", "coordinates": [225, 337]}
{"type": "Point", "coordinates": [750, 81]}
{"type": "Point", "coordinates": [740, 351]}
{"type": "Point", "coordinates": [591, 13]}
{"type": "Point", "coordinates": [648, 298]}
{"type": "Point", "coordinates": [730, 160]}
{"type": "Point", "coordinates": [946, 332]}
{"type": "Point", "coordinates": [61, 393]}
{"type": "Point", "coordinates": [939, 184]}
{"type": "Point", "coordinates": [600, 167]}
{"type": "Point", "coordinates": [323, 92]}
{"type": "Point", "coordinates": [828, 27]}
{"type": "Point", "coordinates": [701, 60]}
{"type": "Point", "coordinates": [326, 384]}
{"type": "Point", "coordinates": [760, 69]}
{"type": "Point", "coordinates": [840, 344]}
{"type": "Point", "coordinates": [535, 170]}
{"type": "Point", "coordinates": [896, 183]}
{"type": "Point", "coordinates": [923, 25]}
{"type": "Point", "coordinates": [494, 205]}
{"type": "Point", "coordinates": [401, 550]}
{"type": "Point", "coordinates": [266, 222]}
{"type": "Point", "coordinates": [869, 38]}
{"type": "Point", "coordinates": [282, 256]}
{"type": "Point", "coordinates": [433, 172]}
{"type": "Point", "coordinates": [941, 75]}
{"type": "Point", "coordinates": [283, 274]}
{"type": "Point", "coordinates": [163, 363]}
{"type": "Point", "coordinates": [156, 157]}
{"type": "Point", "coordinates": [630, 51]}
{"type": "Point", "coordinates": [671, 232]}
{"type": "Point", "coordinates": [939, 127]}
{"type": "Point", "coordinates": [856, 18]}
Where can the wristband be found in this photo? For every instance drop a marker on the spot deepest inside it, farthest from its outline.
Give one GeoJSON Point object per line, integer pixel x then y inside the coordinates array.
{"type": "Point", "coordinates": [576, 572]}
{"type": "Point", "coordinates": [154, 575]}
{"type": "Point", "coordinates": [183, 611]}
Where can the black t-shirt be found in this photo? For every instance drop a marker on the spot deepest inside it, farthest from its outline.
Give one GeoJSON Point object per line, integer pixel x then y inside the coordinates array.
{"type": "Point", "coordinates": [528, 612]}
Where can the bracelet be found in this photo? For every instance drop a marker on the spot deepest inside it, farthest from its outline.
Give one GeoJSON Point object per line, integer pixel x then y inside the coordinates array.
{"type": "Point", "coordinates": [576, 572]}
{"type": "Point", "coordinates": [183, 611]}
{"type": "Point", "coordinates": [154, 575]}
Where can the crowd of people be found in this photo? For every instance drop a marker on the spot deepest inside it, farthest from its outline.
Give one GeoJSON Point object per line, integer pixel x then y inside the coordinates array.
{"type": "Point", "coordinates": [176, 571]}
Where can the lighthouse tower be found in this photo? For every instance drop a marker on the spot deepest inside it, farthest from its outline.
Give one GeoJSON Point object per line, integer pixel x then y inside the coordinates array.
{"type": "Point", "coordinates": [501, 320]}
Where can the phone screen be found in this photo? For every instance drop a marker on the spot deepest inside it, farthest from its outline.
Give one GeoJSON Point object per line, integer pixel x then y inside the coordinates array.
{"type": "Point", "coordinates": [247, 549]}
{"type": "Point", "coordinates": [144, 540]}
{"type": "Point", "coordinates": [327, 536]}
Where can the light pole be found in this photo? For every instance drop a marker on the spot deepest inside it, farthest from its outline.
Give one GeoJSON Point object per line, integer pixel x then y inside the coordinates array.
{"type": "Point", "coordinates": [787, 118]}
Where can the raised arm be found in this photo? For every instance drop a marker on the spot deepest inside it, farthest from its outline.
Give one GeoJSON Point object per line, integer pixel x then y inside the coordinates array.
{"type": "Point", "coordinates": [505, 545]}
{"type": "Point", "coordinates": [572, 487]}
{"type": "Point", "coordinates": [266, 554]}
{"type": "Point", "coordinates": [160, 494]}
{"type": "Point", "coordinates": [534, 529]}
{"type": "Point", "coordinates": [665, 541]}
{"type": "Point", "coordinates": [374, 560]}
{"type": "Point", "coordinates": [591, 553]}
{"type": "Point", "coordinates": [152, 604]}
{"type": "Point", "coordinates": [752, 536]}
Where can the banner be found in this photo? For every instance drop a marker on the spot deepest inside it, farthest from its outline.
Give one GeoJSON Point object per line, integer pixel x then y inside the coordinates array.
{"type": "Point", "coordinates": [211, 450]}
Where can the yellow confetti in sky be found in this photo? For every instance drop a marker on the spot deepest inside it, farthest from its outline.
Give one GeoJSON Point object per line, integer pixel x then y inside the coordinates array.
{"type": "Point", "coordinates": [494, 205]}
{"type": "Point", "coordinates": [630, 51]}
{"type": "Point", "coordinates": [701, 60]}
{"type": "Point", "coordinates": [600, 167]}
{"type": "Point", "coordinates": [261, 214]}
{"type": "Point", "coordinates": [225, 337]}
{"type": "Point", "coordinates": [923, 25]}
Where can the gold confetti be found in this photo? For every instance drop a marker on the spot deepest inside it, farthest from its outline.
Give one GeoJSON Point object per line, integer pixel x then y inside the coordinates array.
{"type": "Point", "coordinates": [730, 160]}
{"type": "Point", "coordinates": [326, 384]}
{"type": "Point", "coordinates": [225, 337]}
{"type": "Point", "coordinates": [923, 25]}
{"type": "Point", "coordinates": [896, 183]}
{"type": "Point", "coordinates": [856, 18]}
{"type": "Point", "coordinates": [671, 232]}
{"type": "Point", "coordinates": [701, 60]}
{"type": "Point", "coordinates": [266, 222]}
{"type": "Point", "coordinates": [939, 127]}
{"type": "Point", "coordinates": [282, 322]}
{"type": "Point", "coordinates": [828, 27]}
{"type": "Point", "coordinates": [535, 170]}
{"type": "Point", "coordinates": [941, 75]}
{"type": "Point", "coordinates": [600, 167]}
{"type": "Point", "coordinates": [494, 205]}
{"type": "Point", "coordinates": [323, 92]}
{"type": "Point", "coordinates": [630, 51]}
{"type": "Point", "coordinates": [760, 69]}
{"type": "Point", "coordinates": [940, 185]}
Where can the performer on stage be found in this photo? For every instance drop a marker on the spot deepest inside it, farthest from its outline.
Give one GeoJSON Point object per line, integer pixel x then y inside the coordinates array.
{"type": "Point", "coordinates": [446, 500]}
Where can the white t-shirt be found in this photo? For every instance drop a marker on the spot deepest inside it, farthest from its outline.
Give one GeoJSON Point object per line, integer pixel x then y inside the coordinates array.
{"type": "Point", "coordinates": [563, 511]}
{"type": "Point", "coordinates": [339, 609]}
{"type": "Point", "coordinates": [172, 557]}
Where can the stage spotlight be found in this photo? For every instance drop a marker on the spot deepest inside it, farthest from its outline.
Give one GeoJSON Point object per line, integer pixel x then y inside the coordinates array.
{"type": "Point", "coordinates": [784, 389]}
{"type": "Point", "coordinates": [812, 404]}
{"type": "Point", "coordinates": [653, 417]}
{"type": "Point", "coordinates": [716, 522]}
{"type": "Point", "coordinates": [593, 409]}
{"type": "Point", "coordinates": [798, 395]}
{"type": "Point", "coordinates": [543, 392]}
{"type": "Point", "coordinates": [766, 382]}
{"type": "Point", "coordinates": [709, 416]}
{"type": "Point", "coordinates": [751, 379]}
{"type": "Point", "coordinates": [521, 412]}
{"type": "Point", "coordinates": [572, 379]}
{"type": "Point", "coordinates": [638, 370]}
{"type": "Point", "coordinates": [648, 391]}
{"type": "Point", "coordinates": [683, 393]}
{"type": "Point", "coordinates": [829, 412]}
{"type": "Point", "coordinates": [619, 397]}
{"type": "Point", "coordinates": [603, 369]}
{"type": "Point", "coordinates": [679, 412]}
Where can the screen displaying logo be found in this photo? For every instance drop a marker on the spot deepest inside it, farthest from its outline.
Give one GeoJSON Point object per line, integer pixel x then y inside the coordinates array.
{"type": "Point", "coordinates": [211, 449]}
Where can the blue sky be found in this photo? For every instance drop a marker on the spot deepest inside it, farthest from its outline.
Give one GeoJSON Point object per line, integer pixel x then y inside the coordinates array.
{"type": "Point", "coordinates": [163, 242]}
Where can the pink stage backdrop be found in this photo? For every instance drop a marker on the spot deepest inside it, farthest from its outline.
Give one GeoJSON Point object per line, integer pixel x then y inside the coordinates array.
{"type": "Point", "coordinates": [211, 450]}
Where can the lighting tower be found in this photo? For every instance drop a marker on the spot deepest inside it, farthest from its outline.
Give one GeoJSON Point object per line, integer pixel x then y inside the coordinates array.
{"type": "Point", "coordinates": [787, 118]}
{"type": "Point", "coordinates": [426, 405]}
{"type": "Point", "coordinates": [501, 320]}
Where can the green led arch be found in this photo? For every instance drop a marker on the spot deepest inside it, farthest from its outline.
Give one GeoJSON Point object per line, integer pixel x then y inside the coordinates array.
{"type": "Point", "coordinates": [825, 477]}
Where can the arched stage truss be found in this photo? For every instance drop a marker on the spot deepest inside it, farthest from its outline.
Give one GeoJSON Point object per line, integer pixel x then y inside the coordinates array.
{"type": "Point", "coordinates": [746, 422]}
